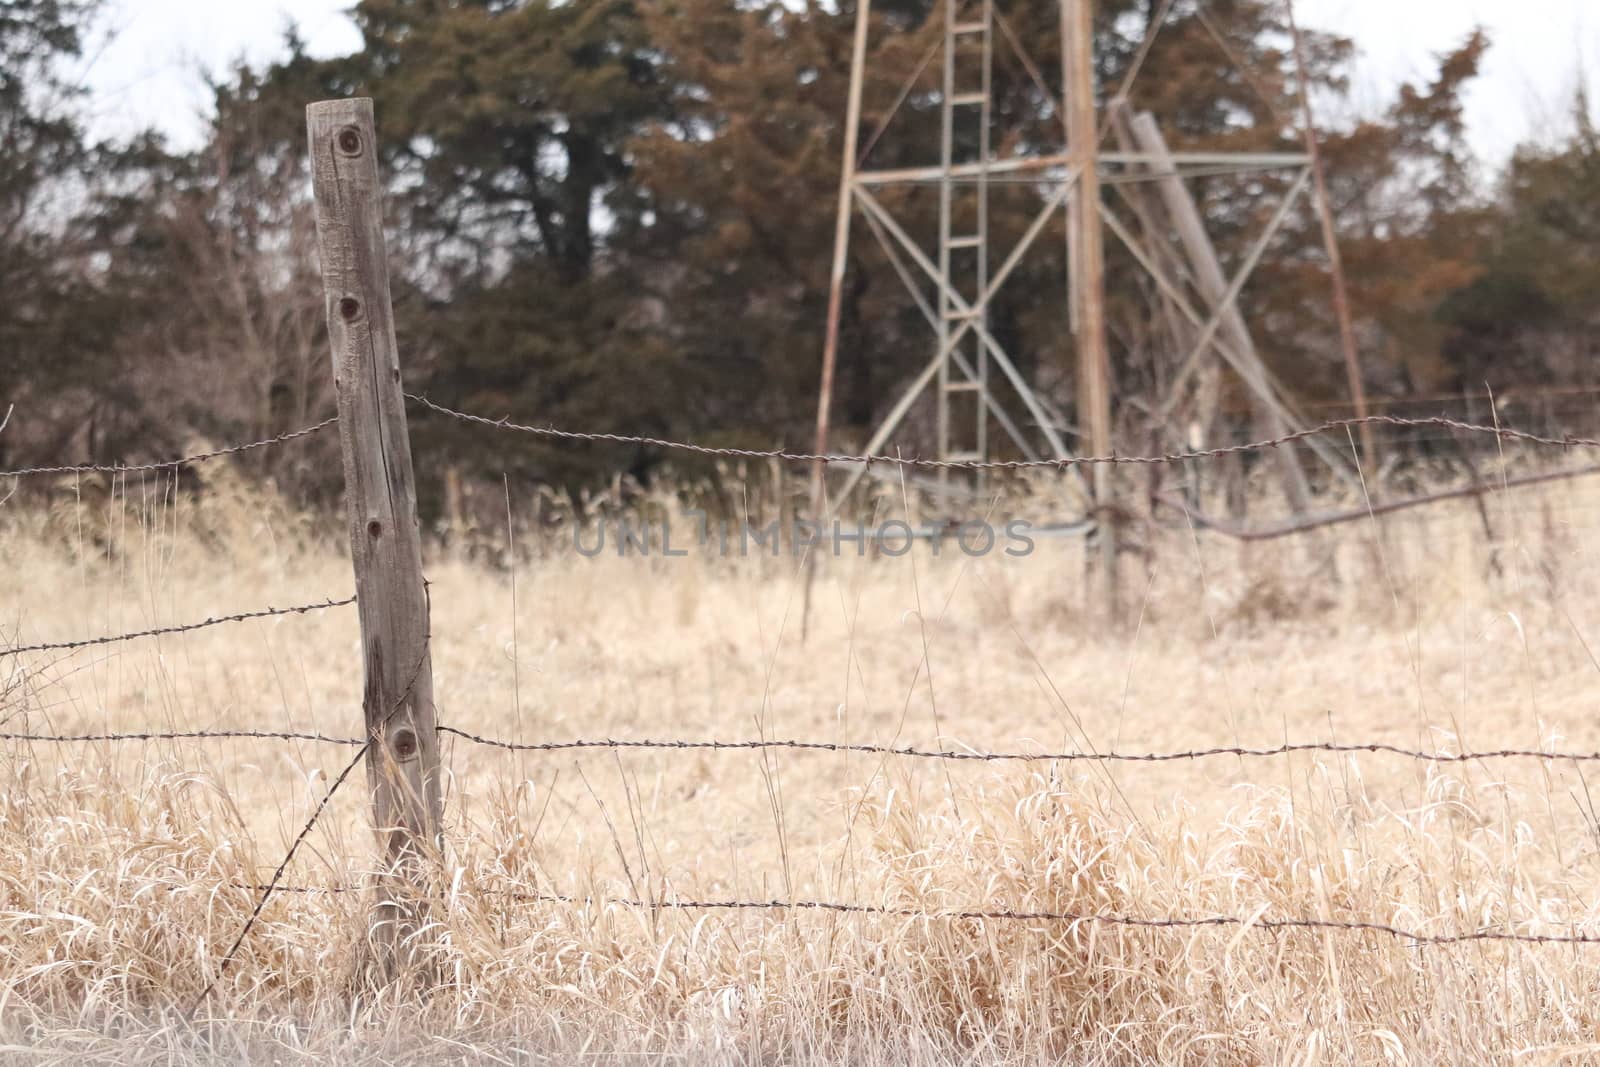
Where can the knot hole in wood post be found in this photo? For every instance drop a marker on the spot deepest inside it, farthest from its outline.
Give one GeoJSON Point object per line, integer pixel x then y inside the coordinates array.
{"type": "Point", "coordinates": [404, 744]}
{"type": "Point", "coordinates": [349, 141]}
{"type": "Point", "coordinates": [349, 308]}
{"type": "Point", "coordinates": [375, 528]}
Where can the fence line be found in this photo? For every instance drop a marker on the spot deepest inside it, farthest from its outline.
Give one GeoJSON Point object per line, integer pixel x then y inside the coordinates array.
{"type": "Point", "coordinates": [180, 628]}
{"type": "Point", "coordinates": [1262, 924]}
{"type": "Point", "coordinates": [1338, 748]}
{"type": "Point", "coordinates": [362, 746]}
{"type": "Point", "coordinates": [1352, 926]}
{"type": "Point", "coordinates": [1331, 425]}
{"type": "Point", "coordinates": [505, 423]}
{"type": "Point", "coordinates": [199, 457]}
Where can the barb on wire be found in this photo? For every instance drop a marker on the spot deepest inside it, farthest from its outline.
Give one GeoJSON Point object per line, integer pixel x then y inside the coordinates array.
{"type": "Point", "coordinates": [1331, 425]}
{"type": "Point", "coordinates": [1349, 926]}
{"type": "Point", "coordinates": [1330, 747]}
{"type": "Point", "coordinates": [218, 620]}
{"type": "Point", "coordinates": [200, 457]}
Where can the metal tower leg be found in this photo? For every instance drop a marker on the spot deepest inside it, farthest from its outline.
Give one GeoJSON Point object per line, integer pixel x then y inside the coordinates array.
{"type": "Point", "coordinates": [954, 306]}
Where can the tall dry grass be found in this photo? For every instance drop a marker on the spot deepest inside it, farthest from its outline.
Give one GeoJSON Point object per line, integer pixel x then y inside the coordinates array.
{"type": "Point", "coordinates": [124, 869]}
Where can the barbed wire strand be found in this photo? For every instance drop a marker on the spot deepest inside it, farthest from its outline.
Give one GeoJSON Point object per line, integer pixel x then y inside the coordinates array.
{"type": "Point", "coordinates": [165, 464]}
{"type": "Point", "coordinates": [864, 749]}
{"type": "Point", "coordinates": [1354, 926]}
{"type": "Point", "coordinates": [505, 423]}
{"type": "Point", "coordinates": [179, 628]}
{"type": "Point", "coordinates": [1331, 425]}
{"type": "Point", "coordinates": [183, 735]}
{"type": "Point", "coordinates": [867, 749]}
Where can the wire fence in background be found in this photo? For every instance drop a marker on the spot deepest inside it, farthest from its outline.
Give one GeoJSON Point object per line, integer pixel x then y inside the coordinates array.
{"type": "Point", "coordinates": [1503, 433]}
{"type": "Point", "coordinates": [881, 459]}
{"type": "Point", "coordinates": [1258, 923]}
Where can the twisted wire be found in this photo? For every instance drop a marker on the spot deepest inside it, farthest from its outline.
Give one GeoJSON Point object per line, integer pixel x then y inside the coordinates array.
{"type": "Point", "coordinates": [164, 464]}
{"type": "Point", "coordinates": [852, 748]}
{"type": "Point", "coordinates": [1171, 922]}
{"type": "Point", "coordinates": [1331, 425]}
{"type": "Point", "coordinates": [179, 628]}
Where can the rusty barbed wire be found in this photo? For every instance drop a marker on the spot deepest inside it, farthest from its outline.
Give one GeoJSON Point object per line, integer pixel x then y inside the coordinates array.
{"type": "Point", "coordinates": [505, 423]}
{"type": "Point", "coordinates": [1338, 748]}
{"type": "Point", "coordinates": [199, 457]}
{"type": "Point", "coordinates": [1331, 425]}
{"type": "Point", "coordinates": [867, 749]}
{"type": "Point", "coordinates": [182, 735]}
{"type": "Point", "coordinates": [1349, 926]}
{"type": "Point", "coordinates": [158, 631]}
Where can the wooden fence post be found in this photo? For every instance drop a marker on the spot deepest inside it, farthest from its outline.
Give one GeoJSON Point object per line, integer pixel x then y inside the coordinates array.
{"type": "Point", "coordinates": [385, 541]}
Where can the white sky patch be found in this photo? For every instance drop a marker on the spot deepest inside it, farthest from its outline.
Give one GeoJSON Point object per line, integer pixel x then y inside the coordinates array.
{"type": "Point", "coordinates": [146, 64]}
{"type": "Point", "coordinates": [145, 70]}
{"type": "Point", "coordinates": [1540, 51]}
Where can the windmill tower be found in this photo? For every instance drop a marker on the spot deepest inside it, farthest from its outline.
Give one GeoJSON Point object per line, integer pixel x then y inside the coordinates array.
{"type": "Point", "coordinates": [1166, 237]}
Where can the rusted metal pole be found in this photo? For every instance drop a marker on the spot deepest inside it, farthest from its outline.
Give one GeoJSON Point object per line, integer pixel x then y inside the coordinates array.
{"type": "Point", "coordinates": [841, 250]}
{"type": "Point", "coordinates": [385, 540]}
{"type": "Point", "coordinates": [841, 246]}
{"type": "Point", "coordinates": [1212, 285]}
{"type": "Point", "coordinates": [1089, 282]}
{"type": "Point", "coordinates": [1330, 240]}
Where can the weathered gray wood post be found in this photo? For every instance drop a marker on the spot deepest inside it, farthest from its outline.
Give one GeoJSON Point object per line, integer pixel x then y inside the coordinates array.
{"type": "Point", "coordinates": [385, 541]}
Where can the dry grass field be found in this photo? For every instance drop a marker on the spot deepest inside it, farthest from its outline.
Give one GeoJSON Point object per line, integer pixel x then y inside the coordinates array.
{"type": "Point", "coordinates": [124, 868]}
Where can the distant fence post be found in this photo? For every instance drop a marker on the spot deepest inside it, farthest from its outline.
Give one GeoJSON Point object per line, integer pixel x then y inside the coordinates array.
{"type": "Point", "coordinates": [380, 498]}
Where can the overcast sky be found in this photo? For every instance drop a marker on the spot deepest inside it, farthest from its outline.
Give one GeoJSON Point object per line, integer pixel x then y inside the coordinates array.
{"type": "Point", "coordinates": [145, 69]}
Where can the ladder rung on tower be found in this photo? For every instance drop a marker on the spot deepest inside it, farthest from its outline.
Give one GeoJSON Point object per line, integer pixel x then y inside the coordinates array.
{"type": "Point", "coordinates": [968, 86]}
